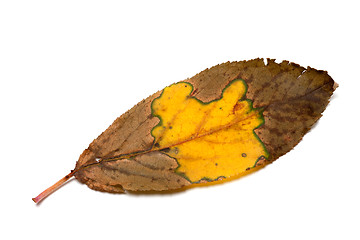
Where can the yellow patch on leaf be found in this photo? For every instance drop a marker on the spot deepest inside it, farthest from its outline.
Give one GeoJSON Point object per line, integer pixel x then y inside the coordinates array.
{"type": "Point", "coordinates": [209, 140]}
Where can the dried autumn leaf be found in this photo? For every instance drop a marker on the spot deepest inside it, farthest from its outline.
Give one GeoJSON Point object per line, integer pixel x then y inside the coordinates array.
{"type": "Point", "coordinates": [218, 124]}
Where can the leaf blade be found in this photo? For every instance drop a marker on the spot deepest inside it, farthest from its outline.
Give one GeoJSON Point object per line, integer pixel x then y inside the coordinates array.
{"type": "Point", "coordinates": [284, 87]}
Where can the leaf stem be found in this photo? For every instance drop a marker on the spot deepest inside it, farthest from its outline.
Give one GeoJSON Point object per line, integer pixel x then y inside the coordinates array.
{"type": "Point", "coordinates": [53, 188]}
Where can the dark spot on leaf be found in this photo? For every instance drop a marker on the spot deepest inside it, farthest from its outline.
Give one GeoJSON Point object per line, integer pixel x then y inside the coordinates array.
{"type": "Point", "coordinates": [248, 169]}
{"type": "Point", "coordinates": [243, 155]}
{"type": "Point", "coordinates": [216, 164]}
{"type": "Point", "coordinates": [166, 150]}
{"type": "Point", "coordinates": [157, 145]}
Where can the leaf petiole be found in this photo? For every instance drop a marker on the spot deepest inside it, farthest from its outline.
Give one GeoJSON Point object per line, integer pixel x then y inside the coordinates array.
{"type": "Point", "coordinates": [53, 188]}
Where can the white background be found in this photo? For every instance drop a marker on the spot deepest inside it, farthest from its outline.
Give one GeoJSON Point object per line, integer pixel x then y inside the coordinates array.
{"type": "Point", "coordinates": [69, 68]}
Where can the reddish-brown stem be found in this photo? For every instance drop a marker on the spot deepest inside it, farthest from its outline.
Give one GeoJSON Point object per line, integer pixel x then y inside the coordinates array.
{"type": "Point", "coordinates": [53, 188]}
